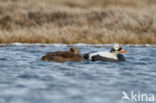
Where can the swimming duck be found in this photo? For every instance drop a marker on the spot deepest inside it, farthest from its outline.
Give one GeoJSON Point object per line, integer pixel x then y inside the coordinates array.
{"type": "Point", "coordinates": [73, 55]}
{"type": "Point", "coordinates": [109, 56]}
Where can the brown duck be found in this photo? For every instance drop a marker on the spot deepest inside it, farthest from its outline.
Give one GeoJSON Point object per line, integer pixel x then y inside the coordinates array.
{"type": "Point", "coordinates": [73, 55]}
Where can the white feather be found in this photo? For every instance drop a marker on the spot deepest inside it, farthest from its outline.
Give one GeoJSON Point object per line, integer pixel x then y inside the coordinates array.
{"type": "Point", "coordinates": [103, 54]}
{"type": "Point", "coordinates": [116, 46]}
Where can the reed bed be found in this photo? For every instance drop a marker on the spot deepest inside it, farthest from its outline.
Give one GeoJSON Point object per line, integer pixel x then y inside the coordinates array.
{"type": "Point", "coordinates": [78, 21]}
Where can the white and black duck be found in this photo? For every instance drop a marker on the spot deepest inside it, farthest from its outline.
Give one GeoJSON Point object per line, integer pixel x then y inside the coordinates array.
{"type": "Point", "coordinates": [109, 56]}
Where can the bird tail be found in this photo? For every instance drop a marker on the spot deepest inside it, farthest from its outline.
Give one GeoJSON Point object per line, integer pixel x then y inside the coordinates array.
{"type": "Point", "coordinates": [43, 58]}
{"type": "Point", "coordinates": [86, 56]}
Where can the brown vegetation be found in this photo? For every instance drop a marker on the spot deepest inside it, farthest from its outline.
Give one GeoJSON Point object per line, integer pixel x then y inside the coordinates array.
{"type": "Point", "coordinates": [78, 21]}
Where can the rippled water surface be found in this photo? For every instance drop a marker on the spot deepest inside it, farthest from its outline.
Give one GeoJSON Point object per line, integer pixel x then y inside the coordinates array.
{"type": "Point", "coordinates": [24, 78]}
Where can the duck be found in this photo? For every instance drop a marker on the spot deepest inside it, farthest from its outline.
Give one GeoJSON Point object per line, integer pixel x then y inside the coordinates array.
{"type": "Point", "coordinates": [114, 55]}
{"type": "Point", "coordinates": [73, 55]}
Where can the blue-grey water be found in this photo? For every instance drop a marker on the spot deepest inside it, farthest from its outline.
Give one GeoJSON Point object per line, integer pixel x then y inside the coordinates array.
{"type": "Point", "coordinates": [24, 78]}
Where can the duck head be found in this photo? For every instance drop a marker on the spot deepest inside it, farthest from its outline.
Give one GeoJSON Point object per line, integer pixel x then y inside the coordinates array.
{"type": "Point", "coordinates": [117, 49]}
{"type": "Point", "coordinates": [75, 50]}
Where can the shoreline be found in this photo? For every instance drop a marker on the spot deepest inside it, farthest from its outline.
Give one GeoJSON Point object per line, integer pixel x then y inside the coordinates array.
{"type": "Point", "coordinates": [77, 44]}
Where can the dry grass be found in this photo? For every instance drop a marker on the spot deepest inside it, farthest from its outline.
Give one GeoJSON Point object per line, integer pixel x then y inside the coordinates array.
{"type": "Point", "coordinates": [78, 21]}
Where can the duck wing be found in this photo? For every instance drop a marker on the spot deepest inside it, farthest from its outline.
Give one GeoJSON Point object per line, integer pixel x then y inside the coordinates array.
{"type": "Point", "coordinates": [101, 58]}
{"type": "Point", "coordinates": [60, 54]}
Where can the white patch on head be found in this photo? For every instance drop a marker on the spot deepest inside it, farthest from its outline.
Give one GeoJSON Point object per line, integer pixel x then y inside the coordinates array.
{"type": "Point", "coordinates": [116, 46]}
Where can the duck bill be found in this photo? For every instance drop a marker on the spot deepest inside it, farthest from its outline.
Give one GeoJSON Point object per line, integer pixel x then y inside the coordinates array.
{"type": "Point", "coordinates": [123, 51]}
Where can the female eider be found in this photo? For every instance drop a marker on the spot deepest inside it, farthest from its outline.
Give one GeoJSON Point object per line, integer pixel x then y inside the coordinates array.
{"type": "Point", "coordinates": [109, 56]}
{"type": "Point", "coordinates": [73, 55]}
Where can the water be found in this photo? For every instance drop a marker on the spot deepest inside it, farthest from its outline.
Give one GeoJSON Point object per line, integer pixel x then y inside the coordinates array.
{"type": "Point", "coordinates": [24, 78]}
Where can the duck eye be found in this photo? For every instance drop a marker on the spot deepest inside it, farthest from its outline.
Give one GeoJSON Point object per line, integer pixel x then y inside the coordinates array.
{"type": "Point", "coordinates": [120, 48]}
{"type": "Point", "coordinates": [72, 49]}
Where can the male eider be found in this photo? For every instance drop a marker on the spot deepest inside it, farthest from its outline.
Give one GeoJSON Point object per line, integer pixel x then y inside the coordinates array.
{"type": "Point", "coordinates": [73, 55]}
{"type": "Point", "coordinates": [109, 56]}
